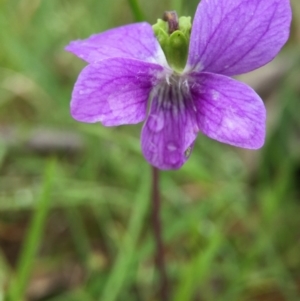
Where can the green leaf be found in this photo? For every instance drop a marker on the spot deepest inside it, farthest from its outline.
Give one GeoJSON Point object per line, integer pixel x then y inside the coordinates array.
{"type": "Point", "coordinates": [33, 239]}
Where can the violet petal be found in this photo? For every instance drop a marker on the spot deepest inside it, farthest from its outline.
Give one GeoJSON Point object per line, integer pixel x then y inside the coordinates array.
{"type": "Point", "coordinates": [228, 111]}
{"type": "Point", "coordinates": [231, 37]}
{"type": "Point", "coordinates": [136, 41]}
{"type": "Point", "coordinates": [114, 91]}
{"type": "Point", "coordinates": [170, 129]}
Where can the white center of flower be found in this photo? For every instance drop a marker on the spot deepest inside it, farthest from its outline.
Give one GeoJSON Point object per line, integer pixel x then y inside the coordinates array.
{"type": "Point", "coordinates": [173, 92]}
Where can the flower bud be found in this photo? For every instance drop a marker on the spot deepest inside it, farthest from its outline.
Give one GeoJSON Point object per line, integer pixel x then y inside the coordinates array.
{"type": "Point", "coordinates": [173, 35]}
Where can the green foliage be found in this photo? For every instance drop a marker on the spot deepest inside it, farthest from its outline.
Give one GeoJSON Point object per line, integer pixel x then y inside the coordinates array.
{"type": "Point", "coordinates": [75, 221]}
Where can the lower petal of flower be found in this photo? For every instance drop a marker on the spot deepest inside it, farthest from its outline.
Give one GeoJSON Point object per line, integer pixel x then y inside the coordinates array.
{"type": "Point", "coordinates": [228, 111]}
{"type": "Point", "coordinates": [171, 128]}
{"type": "Point", "coordinates": [114, 91]}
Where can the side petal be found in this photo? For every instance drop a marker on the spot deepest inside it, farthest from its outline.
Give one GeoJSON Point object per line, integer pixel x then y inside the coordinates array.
{"type": "Point", "coordinates": [232, 37]}
{"type": "Point", "coordinates": [114, 91]}
{"type": "Point", "coordinates": [229, 111]}
{"type": "Point", "coordinates": [136, 41]}
{"type": "Point", "coordinates": [170, 129]}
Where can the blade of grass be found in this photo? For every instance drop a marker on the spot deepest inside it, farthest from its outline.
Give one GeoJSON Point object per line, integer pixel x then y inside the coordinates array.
{"type": "Point", "coordinates": [32, 241]}
{"type": "Point", "coordinates": [197, 269]}
{"type": "Point", "coordinates": [75, 295]}
{"type": "Point", "coordinates": [136, 10]}
{"type": "Point", "coordinates": [4, 270]}
{"type": "Point", "coordinates": [79, 235]}
{"type": "Point", "coordinates": [118, 275]}
{"type": "Point", "coordinates": [177, 6]}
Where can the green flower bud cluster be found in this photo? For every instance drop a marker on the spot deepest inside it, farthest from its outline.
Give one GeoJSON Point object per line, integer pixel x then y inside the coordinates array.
{"type": "Point", "coordinates": [174, 43]}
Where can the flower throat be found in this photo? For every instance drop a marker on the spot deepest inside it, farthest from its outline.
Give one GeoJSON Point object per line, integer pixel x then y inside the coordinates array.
{"type": "Point", "coordinates": [173, 35]}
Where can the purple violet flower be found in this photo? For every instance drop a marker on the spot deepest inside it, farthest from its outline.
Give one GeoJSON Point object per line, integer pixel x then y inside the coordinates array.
{"type": "Point", "coordinates": [129, 80]}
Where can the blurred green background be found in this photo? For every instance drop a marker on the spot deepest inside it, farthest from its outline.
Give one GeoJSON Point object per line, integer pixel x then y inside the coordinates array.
{"type": "Point", "coordinates": [74, 198]}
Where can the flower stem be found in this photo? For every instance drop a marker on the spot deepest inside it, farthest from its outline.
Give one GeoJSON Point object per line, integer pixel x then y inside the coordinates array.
{"type": "Point", "coordinates": [156, 224]}
{"type": "Point", "coordinates": [136, 10]}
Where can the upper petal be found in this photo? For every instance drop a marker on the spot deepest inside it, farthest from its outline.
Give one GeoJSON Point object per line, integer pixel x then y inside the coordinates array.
{"type": "Point", "coordinates": [231, 37]}
{"type": "Point", "coordinates": [114, 91]}
{"type": "Point", "coordinates": [136, 41]}
{"type": "Point", "coordinates": [229, 111]}
{"type": "Point", "coordinates": [171, 127]}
